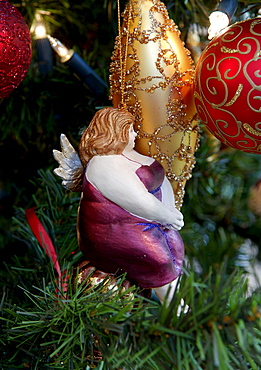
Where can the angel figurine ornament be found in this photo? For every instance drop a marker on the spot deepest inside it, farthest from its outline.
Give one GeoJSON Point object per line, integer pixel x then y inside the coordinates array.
{"type": "Point", "coordinates": [127, 220]}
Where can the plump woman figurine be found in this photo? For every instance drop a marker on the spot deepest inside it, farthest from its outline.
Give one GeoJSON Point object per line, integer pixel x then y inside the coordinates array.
{"type": "Point", "coordinates": [127, 220]}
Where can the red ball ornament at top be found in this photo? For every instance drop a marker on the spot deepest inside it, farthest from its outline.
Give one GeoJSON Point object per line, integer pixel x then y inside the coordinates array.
{"type": "Point", "coordinates": [15, 48]}
{"type": "Point", "coordinates": [228, 86]}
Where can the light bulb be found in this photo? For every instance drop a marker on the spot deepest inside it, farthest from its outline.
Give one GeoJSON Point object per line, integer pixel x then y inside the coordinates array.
{"type": "Point", "coordinates": [40, 31]}
{"type": "Point", "coordinates": [38, 28]}
{"type": "Point", "coordinates": [64, 53]}
{"type": "Point", "coordinates": [218, 21]}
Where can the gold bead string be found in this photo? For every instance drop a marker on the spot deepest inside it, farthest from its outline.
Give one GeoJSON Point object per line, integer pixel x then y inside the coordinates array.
{"type": "Point", "coordinates": [123, 59]}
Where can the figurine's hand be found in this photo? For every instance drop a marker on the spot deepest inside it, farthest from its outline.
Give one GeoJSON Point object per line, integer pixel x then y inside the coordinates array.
{"type": "Point", "coordinates": [177, 222]}
{"type": "Point", "coordinates": [70, 167]}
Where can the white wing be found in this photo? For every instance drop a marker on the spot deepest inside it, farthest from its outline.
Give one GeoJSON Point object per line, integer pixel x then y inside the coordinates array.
{"type": "Point", "coordinates": [70, 166]}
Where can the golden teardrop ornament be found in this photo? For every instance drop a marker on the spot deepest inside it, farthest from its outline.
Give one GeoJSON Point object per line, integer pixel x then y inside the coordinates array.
{"type": "Point", "coordinates": [152, 76]}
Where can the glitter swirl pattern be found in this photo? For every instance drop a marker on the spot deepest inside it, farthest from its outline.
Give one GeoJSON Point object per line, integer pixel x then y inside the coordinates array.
{"type": "Point", "coordinates": [15, 48]}
{"type": "Point", "coordinates": [228, 86]}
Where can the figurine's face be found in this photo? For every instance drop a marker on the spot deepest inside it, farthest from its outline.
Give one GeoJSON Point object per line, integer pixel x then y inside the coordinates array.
{"type": "Point", "coordinates": [132, 137]}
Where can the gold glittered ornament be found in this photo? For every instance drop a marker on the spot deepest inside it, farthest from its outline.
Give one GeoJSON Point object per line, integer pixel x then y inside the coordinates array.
{"type": "Point", "coordinates": [152, 76]}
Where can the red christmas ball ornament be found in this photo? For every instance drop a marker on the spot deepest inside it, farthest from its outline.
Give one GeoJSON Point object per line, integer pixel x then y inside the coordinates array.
{"type": "Point", "coordinates": [228, 86]}
{"type": "Point", "coordinates": [15, 48]}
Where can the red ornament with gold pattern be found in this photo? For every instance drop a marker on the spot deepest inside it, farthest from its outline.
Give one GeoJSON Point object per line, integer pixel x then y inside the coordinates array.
{"type": "Point", "coordinates": [228, 86]}
{"type": "Point", "coordinates": [15, 48]}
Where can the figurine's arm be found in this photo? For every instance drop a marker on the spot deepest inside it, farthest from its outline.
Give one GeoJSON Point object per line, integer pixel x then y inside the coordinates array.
{"type": "Point", "coordinates": [117, 182]}
{"type": "Point", "coordinates": [168, 197]}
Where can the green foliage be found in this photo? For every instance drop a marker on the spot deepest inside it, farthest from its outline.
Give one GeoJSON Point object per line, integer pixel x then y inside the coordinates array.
{"type": "Point", "coordinates": [57, 209]}
{"type": "Point", "coordinates": [215, 327]}
{"type": "Point", "coordinates": [29, 265]}
{"type": "Point", "coordinates": [217, 216]}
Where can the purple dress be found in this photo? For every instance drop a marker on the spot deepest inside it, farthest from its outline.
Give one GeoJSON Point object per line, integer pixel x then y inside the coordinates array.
{"type": "Point", "coordinates": [115, 241]}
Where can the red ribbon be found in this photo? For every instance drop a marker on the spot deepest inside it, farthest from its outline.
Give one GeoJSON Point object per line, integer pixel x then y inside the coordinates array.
{"type": "Point", "coordinates": [43, 238]}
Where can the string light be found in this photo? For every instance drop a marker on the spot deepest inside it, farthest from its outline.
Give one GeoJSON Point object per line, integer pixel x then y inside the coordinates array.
{"type": "Point", "coordinates": [42, 44]}
{"type": "Point", "coordinates": [78, 66]}
{"type": "Point", "coordinates": [221, 16]}
{"type": "Point", "coordinates": [64, 53]}
{"type": "Point", "coordinates": [38, 28]}
{"type": "Point", "coordinates": [218, 21]}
